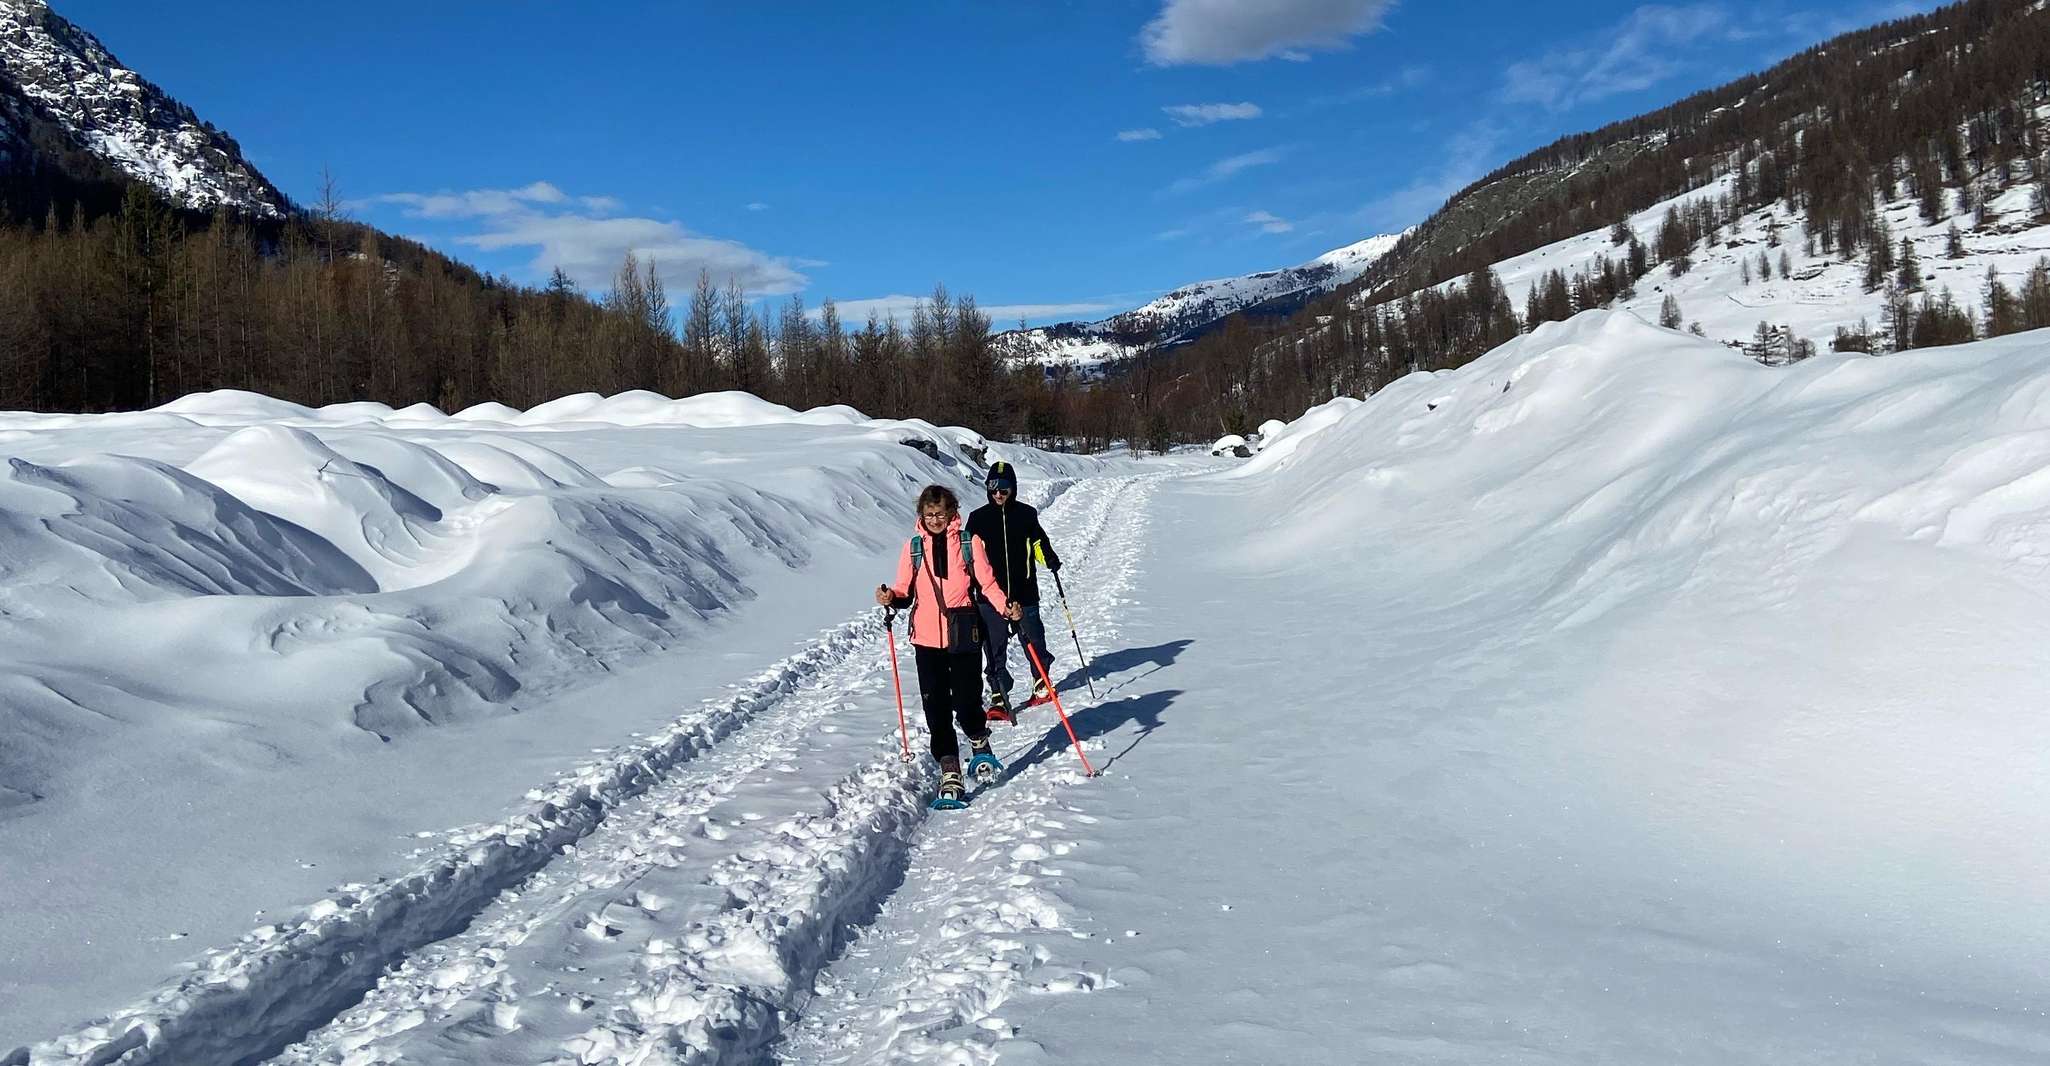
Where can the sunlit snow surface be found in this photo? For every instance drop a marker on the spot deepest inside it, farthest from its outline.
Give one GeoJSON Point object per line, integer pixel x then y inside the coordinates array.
{"type": "Point", "coordinates": [1612, 699]}
{"type": "Point", "coordinates": [252, 648]}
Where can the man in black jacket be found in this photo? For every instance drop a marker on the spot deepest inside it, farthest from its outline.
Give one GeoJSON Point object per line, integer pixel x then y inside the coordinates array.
{"type": "Point", "coordinates": [1012, 532]}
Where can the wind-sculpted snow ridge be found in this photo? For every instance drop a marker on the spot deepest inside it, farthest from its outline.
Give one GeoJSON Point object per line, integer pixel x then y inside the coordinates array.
{"type": "Point", "coordinates": [638, 407]}
{"type": "Point", "coordinates": [247, 1001]}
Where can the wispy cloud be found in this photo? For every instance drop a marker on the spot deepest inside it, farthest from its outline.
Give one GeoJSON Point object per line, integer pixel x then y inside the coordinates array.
{"type": "Point", "coordinates": [1415, 76]}
{"type": "Point", "coordinates": [1467, 156]}
{"type": "Point", "coordinates": [1269, 222]}
{"type": "Point", "coordinates": [1006, 313]}
{"type": "Point", "coordinates": [472, 203]}
{"type": "Point", "coordinates": [1226, 168]}
{"type": "Point", "coordinates": [1205, 114]}
{"type": "Point", "coordinates": [1223, 32]}
{"type": "Point", "coordinates": [1147, 134]}
{"type": "Point", "coordinates": [1001, 316]}
{"type": "Point", "coordinates": [758, 206]}
{"type": "Point", "coordinates": [1651, 45]}
{"type": "Point", "coordinates": [586, 237]}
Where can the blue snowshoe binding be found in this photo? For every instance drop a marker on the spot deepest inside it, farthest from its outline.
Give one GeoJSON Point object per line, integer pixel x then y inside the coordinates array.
{"type": "Point", "coordinates": [982, 765]}
{"type": "Point", "coordinates": [986, 768]}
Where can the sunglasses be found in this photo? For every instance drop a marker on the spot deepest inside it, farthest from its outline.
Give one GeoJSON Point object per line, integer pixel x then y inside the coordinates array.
{"type": "Point", "coordinates": [929, 515]}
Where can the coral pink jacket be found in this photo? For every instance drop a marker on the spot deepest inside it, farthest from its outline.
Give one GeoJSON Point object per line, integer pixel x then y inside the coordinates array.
{"type": "Point", "coordinates": [927, 627]}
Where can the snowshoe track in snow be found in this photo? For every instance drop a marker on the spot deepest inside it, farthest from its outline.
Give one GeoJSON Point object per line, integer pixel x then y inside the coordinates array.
{"type": "Point", "coordinates": [250, 1000]}
{"type": "Point", "coordinates": [420, 968]}
{"type": "Point", "coordinates": [968, 930]}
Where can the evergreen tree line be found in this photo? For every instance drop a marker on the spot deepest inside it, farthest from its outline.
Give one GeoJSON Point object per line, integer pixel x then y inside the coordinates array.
{"type": "Point", "coordinates": [136, 303]}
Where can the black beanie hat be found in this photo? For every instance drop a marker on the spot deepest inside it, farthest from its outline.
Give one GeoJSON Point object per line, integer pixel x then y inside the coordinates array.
{"type": "Point", "coordinates": [1001, 476]}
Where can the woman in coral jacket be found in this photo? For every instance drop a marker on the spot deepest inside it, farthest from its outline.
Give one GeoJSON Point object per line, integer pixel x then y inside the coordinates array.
{"type": "Point", "coordinates": [939, 574]}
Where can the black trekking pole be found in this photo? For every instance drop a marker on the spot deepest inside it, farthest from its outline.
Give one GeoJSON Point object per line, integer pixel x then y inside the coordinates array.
{"type": "Point", "coordinates": [1088, 672]}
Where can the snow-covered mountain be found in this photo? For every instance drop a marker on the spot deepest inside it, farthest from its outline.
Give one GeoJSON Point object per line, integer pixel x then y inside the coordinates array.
{"type": "Point", "coordinates": [59, 81]}
{"type": "Point", "coordinates": [1192, 308]}
{"type": "Point", "coordinates": [1766, 267]}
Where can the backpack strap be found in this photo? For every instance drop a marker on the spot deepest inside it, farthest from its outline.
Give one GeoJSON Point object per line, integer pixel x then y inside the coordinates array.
{"type": "Point", "coordinates": [917, 562]}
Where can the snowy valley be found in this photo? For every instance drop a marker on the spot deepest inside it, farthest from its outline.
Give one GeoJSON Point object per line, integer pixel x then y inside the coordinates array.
{"type": "Point", "coordinates": [1627, 665]}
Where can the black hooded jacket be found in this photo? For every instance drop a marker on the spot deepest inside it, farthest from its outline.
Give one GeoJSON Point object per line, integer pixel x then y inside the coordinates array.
{"type": "Point", "coordinates": [1009, 531]}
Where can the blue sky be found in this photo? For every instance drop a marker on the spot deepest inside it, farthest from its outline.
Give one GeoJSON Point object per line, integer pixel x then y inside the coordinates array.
{"type": "Point", "coordinates": [1055, 158]}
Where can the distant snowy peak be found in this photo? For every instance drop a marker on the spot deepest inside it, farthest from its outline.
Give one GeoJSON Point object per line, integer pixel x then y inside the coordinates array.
{"type": "Point", "coordinates": [1209, 300]}
{"type": "Point", "coordinates": [52, 70]}
{"type": "Point", "coordinates": [1192, 308]}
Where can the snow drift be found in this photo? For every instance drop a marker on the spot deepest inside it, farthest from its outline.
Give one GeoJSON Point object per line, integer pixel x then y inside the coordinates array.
{"type": "Point", "coordinates": [226, 618]}
{"type": "Point", "coordinates": [1779, 628]}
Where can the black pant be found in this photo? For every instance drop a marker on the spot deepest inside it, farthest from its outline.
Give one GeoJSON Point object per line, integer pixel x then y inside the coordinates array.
{"type": "Point", "coordinates": [950, 683]}
{"type": "Point", "coordinates": [996, 647]}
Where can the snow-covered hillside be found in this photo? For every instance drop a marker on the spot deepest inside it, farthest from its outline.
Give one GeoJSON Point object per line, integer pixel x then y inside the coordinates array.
{"type": "Point", "coordinates": [1611, 699]}
{"type": "Point", "coordinates": [1729, 292]}
{"type": "Point", "coordinates": [1189, 308]}
{"type": "Point", "coordinates": [59, 73]}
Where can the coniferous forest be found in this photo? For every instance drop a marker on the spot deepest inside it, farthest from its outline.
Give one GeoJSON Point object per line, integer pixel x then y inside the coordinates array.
{"type": "Point", "coordinates": [119, 304]}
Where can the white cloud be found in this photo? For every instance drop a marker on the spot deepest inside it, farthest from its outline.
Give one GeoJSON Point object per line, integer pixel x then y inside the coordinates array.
{"type": "Point", "coordinates": [1225, 168]}
{"type": "Point", "coordinates": [857, 312]}
{"type": "Point", "coordinates": [1147, 134]}
{"type": "Point", "coordinates": [1205, 114]}
{"type": "Point", "coordinates": [758, 206]}
{"type": "Point", "coordinates": [585, 237]}
{"type": "Point", "coordinates": [1223, 32]}
{"type": "Point", "coordinates": [1269, 222]}
{"type": "Point", "coordinates": [1648, 47]}
{"type": "Point", "coordinates": [474, 203]}
{"type": "Point", "coordinates": [1001, 316]}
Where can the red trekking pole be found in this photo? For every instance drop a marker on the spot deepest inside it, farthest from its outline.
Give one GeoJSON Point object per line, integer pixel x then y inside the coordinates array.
{"type": "Point", "coordinates": [890, 633]}
{"type": "Point", "coordinates": [1077, 741]}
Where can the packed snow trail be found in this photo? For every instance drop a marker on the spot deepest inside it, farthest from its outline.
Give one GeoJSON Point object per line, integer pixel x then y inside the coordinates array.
{"type": "Point", "coordinates": [974, 928]}
{"type": "Point", "coordinates": [691, 923]}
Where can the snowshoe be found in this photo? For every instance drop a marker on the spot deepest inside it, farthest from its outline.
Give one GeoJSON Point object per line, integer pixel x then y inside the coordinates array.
{"type": "Point", "coordinates": [982, 764]}
{"type": "Point", "coordinates": [951, 792]}
{"type": "Point", "coordinates": [1040, 695]}
{"type": "Point", "coordinates": [997, 716]}
{"type": "Point", "coordinates": [999, 709]}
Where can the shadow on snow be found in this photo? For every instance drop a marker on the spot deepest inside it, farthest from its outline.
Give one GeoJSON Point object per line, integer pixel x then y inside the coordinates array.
{"type": "Point", "coordinates": [1108, 715]}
